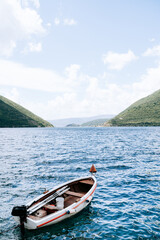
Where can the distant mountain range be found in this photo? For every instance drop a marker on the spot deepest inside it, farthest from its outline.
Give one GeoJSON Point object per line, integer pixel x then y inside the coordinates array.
{"type": "Point", "coordinates": [95, 123]}
{"type": "Point", "coordinates": [14, 115]}
{"type": "Point", "coordinates": [145, 112]}
{"type": "Point", "coordinates": [79, 121]}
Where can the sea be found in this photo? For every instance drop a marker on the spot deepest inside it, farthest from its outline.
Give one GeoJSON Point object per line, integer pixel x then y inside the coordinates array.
{"type": "Point", "coordinates": [126, 203]}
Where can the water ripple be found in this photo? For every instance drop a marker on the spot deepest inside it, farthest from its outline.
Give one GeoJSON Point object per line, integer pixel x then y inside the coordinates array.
{"type": "Point", "coordinates": [126, 204]}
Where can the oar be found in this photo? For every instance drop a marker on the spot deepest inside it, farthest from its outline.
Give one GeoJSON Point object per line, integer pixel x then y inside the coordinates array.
{"type": "Point", "coordinates": [50, 198]}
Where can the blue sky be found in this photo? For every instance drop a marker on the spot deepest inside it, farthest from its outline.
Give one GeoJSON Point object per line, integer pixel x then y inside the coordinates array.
{"type": "Point", "coordinates": [79, 58]}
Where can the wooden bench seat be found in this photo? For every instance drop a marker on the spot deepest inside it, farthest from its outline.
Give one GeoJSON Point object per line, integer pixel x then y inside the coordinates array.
{"type": "Point", "coordinates": [75, 194]}
{"type": "Point", "coordinates": [50, 207]}
{"type": "Point", "coordinates": [87, 181]}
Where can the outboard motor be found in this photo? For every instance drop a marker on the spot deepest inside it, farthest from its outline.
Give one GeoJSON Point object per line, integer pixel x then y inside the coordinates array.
{"type": "Point", "coordinates": [21, 212]}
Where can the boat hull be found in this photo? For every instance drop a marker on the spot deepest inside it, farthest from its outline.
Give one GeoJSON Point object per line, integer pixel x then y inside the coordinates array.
{"type": "Point", "coordinates": [63, 214]}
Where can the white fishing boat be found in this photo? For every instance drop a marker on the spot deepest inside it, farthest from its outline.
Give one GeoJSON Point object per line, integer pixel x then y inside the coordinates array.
{"type": "Point", "coordinates": [58, 204]}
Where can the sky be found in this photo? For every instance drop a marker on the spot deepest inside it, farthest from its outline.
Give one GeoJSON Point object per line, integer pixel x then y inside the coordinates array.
{"type": "Point", "coordinates": [79, 58]}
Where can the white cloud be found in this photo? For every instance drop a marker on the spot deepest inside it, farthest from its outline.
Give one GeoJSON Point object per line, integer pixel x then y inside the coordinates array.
{"type": "Point", "coordinates": [27, 3]}
{"type": "Point", "coordinates": [69, 22]}
{"type": "Point", "coordinates": [65, 22]}
{"type": "Point", "coordinates": [152, 40]}
{"type": "Point", "coordinates": [155, 51]}
{"type": "Point", "coordinates": [18, 75]}
{"type": "Point", "coordinates": [149, 82]}
{"type": "Point", "coordinates": [12, 94]}
{"type": "Point", "coordinates": [97, 99]}
{"type": "Point", "coordinates": [75, 94]}
{"type": "Point", "coordinates": [6, 49]}
{"type": "Point", "coordinates": [49, 24]}
{"type": "Point", "coordinates": [117, 61]}
{"type": "Point", "coordinates": [16, 24]}
{"type": "Point", "coordinates": [36, 3]}
{"type": "Point", "coordinates": [109, 98]}
{"type": "Point", "coordinates": [64, 104]}
{"type": "Point", "coordinates": [33, 47]}
{"type": "Point", "coordinates": [72, 71]}
{"type": "Point", "coordinates": [56, 21]}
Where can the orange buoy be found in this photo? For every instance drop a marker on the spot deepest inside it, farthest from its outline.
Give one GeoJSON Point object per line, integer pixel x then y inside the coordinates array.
{"type": "Point", "coordinates": [93, 169]}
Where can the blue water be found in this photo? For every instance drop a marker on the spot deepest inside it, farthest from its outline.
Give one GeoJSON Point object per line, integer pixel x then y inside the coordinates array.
{"type": "Point", "coordinates": [126, 204]}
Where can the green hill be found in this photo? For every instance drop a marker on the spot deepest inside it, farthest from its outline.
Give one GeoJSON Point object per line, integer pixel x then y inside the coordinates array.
{"type": "Point", "coordinates": [94, 123]}
{"type": "Point", "coordinates": [145, 112]}
{"type": "Point", "coordinates": [14, 115]}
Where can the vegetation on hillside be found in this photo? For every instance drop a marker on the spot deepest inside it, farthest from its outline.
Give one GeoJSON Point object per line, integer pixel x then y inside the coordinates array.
{"type": "Point", "coordinates": [94, 123]}
{"type": "Point", "coordinates": [145, 112]}
{"type": "Point", "coordinates": [14, 115]}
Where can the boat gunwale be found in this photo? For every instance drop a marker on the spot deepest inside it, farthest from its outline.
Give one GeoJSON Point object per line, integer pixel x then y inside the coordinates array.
{"type": "Point", "coordinates": [57, 187]}
{"type": "Point", "coordinates": [53, 216]}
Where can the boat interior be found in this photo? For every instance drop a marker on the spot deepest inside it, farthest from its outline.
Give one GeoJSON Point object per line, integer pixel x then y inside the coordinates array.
{"type": "Point", "coordinates": [74, 192]}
